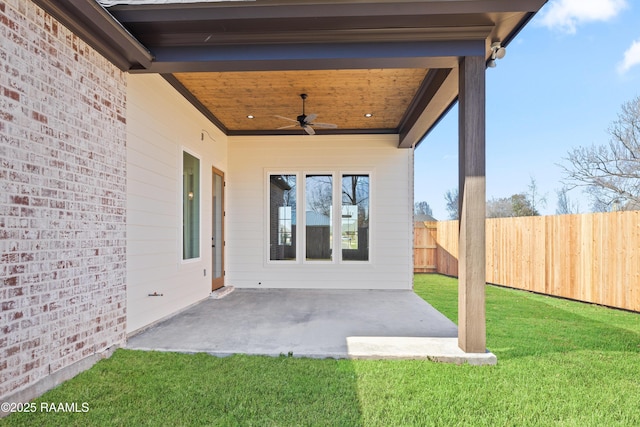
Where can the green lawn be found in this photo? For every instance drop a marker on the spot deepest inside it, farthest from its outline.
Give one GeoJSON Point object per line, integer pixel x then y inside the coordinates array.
{"type": "Point", "coordinates": [559, 363]}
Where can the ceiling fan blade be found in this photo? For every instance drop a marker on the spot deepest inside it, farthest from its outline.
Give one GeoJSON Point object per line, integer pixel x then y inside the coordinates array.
{"type": "Point", "coordinates": [324, 125]}
{"type": "Point", "coordinates": [308, 129]}
{"type": "Point", "coordinates": [287, 127]}
{"type": "Point", "coordinates": [285, 118]}
{"type": "Point", "coordinates": [310, 118]}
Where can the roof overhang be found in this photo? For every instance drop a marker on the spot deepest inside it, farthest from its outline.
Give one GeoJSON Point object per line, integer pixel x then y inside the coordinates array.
{"type": "Point", "coordinates": [187, 41]}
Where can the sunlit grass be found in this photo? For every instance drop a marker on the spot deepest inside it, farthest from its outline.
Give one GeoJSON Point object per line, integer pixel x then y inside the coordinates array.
{"type": "Point", "coordinates": [559, 363]}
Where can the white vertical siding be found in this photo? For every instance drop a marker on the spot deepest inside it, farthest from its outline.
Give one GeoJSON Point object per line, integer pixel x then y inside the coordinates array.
{"type": "Point", "coordinates": [391, 169]}
{"type": "Point", "coordinates": [160, 124]}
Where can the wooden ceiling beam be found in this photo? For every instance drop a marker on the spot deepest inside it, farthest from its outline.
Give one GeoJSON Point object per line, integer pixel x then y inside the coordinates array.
{"type": "Point", "coordinates": [177, 66]}
{"type": "Point", "coordinates": [439, 104]}
{"type": "Point", "coordinates": [326, 56]}
{"type": "Point", "coordinates": [205, 34]}
{"type": "Point", "coordinates": [428, 90]}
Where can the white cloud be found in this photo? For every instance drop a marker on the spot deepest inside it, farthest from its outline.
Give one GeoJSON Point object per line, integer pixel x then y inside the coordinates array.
{"type": "Point", "coordinates": [566, 15]}
{"type": "Point", "coordinates": [631, 57]}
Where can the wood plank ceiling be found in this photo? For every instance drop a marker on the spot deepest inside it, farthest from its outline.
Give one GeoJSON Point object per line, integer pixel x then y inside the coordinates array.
{"type": "Point", "coordinates": [341, 97]}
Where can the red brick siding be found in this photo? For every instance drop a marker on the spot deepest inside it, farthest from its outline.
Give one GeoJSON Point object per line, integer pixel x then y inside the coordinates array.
{"type": "Point", "coordinates": [62, 198]}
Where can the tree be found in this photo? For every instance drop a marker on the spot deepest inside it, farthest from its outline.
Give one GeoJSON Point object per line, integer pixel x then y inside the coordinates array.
{"type": "Point", "coordinates": [516, 205]}
{"type": "Point", "coordinates": [611, 172]}
{"type": "Point", "coordinates": [565, 205]}
{"type": "Point", "coordinates": [451, 197]}
{"type": "Point", "coordinates": [523, 206]}
{"type": "Point", "coordinates": [499, 207]}
{"type": "Point", "coordinates": [422, 208]}
{"type": "Point", "coordinates": [535, 200]}
{"type": "Point", "coordinates": [319, 194]}
{"type": "Point", "coordinates": [355, 189]}
{"type": "Point", "coordinates": [355, 192]}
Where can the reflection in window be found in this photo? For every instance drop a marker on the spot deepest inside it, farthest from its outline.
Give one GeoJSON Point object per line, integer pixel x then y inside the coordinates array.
{"type": "Point", "coordinates": [318, 217]}
{"type": "Point", "coordinates": [285, 226]}
{"type": "Point", "coordinates": [354, 231]}
{"type": "Point", "coordinates": [190, 206]}
{"type": "Point", "coordinates": [282, 214]}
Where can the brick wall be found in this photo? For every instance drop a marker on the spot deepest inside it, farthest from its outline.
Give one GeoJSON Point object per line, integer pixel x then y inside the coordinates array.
{"type": "Point", "coordinates": [62, 198]}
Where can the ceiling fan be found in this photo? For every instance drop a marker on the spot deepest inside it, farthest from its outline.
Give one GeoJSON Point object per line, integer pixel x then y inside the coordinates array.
{"type": "Point", "coordinates": [306, 122]}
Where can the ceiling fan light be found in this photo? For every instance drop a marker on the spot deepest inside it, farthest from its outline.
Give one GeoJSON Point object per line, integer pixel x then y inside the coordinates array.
{"type": "Point", "coordinates": [306, 122]}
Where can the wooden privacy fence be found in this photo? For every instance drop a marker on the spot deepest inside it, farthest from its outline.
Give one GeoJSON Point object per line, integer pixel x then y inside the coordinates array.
{"type": "Point", "coordinates": [425, 247]}
{"type": "Point", "coordinates": [589, 257]}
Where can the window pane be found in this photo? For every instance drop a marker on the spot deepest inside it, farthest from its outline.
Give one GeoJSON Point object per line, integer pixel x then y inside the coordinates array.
{"type": "Point", "coordinates": [319, 195]}
{"type": "Point", "coordinates": [217, 225]}
{"type": "Point", "coordinates": [190, 207]}
{"type": "Point", "coordinates": [282, 217]}
{"type": "Point", "coordinates": [354, 232]}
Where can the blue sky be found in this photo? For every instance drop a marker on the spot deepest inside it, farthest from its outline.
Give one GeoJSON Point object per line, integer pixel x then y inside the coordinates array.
{"type": "Point", "coordinates": [560, 85]}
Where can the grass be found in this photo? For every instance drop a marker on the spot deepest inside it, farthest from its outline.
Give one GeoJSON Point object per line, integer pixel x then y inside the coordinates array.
{"type": "Point", "coordinates": [559, 363]}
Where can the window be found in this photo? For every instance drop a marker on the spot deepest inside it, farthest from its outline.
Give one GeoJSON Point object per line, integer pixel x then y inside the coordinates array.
{"type": "Point", "coordinates": [190, 206]}
{"type": "Point", "coordinates": [282, 215]}
{"type": "Point", "coordinates": [354, 225]}
{"type": "Point", "coordinates": [318, 217]}
{"type": "Point", "coordinates": [334, 225]}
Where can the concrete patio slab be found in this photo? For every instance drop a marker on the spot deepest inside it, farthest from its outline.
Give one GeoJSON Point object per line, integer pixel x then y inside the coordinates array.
{"type": "Point", "coordinates": [312, 323]}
